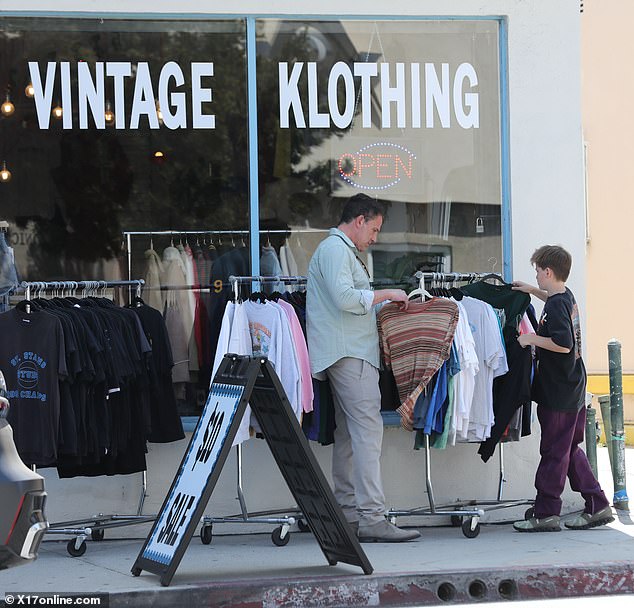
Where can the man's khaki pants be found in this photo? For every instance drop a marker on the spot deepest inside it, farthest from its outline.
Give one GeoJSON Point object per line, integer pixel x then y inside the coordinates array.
{"type": "Point", "coordinates": [356, 468]}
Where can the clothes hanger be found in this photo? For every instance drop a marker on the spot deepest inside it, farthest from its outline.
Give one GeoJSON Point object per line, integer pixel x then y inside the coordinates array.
{"type": "Point", "coordinates": [495, 277]}
{"type": "Point", "coordinates": [420, 291]}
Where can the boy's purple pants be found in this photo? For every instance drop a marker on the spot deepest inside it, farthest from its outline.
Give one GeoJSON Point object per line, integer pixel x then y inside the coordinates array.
{"type": "Point", "coordinates": [561, 457]}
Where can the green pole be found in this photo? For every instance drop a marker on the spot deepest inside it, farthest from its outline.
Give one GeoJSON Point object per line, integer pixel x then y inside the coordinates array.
{"type": "Point", "coordinates": [591, 439]}
{"type": "Point", "coordinates": [618, 429]}
{"type": "Point", "coordinates": [604, 402]}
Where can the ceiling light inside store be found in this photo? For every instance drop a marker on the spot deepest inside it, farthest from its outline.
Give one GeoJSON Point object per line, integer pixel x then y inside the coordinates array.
{"type": "Point", "coordinates": [57, 111]}
{"type": "Point", "coordinates": [109, 114]}
{"type": "Point", "coordinates": [7, 107]}
{"type": "Point", "coordinates": [29, 91]}
{"type": "Point", "coordinates": [5, 174]}
{"type": "Point", "coordinates": [158, 157]}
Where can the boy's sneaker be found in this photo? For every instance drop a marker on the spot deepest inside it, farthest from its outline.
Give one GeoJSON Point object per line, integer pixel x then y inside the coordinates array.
{"type": "Point", "coordinates": [586, 521]}
{"type": "Point", "coordinates": [538, 524]}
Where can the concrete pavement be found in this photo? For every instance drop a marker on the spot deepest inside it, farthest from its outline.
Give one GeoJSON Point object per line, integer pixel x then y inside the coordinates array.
{"type": "Point", "coordinates": [246, 570]}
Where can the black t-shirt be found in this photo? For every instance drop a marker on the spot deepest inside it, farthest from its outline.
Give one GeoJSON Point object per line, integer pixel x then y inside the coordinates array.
{"type": "Point", "coordinates": [560, 379]}
{"type": "Point", "coordinates": [509, 305]}
{"type": "Point", "coordinates": [33, 360]}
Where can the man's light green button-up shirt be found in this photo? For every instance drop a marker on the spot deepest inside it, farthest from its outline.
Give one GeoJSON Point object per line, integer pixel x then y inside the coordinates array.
{"type": "Point", "coordinates": [340, 318]}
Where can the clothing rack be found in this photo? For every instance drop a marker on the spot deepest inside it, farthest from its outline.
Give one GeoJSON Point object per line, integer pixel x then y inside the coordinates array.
{"type": "Point", "coordinates": [463, 513]}
{"type": "Point", "coordinates": [73, 286]}
{"type": "Point", "coordinates": [128, 234]}
{"type": "Point", "coordinates": [460, 514]}
{"type": "Point", "coordinates": [281, 535]}
{"type": "Point", "coordinates": [92, 526]}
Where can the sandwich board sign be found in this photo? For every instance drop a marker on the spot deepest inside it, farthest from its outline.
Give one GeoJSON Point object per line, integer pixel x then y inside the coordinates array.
{"type": "Point", "coordinates": [243, 380]}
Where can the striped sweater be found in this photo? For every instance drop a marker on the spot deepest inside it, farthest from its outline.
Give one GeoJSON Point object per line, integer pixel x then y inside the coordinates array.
{"type": "Point", "coordinates": [414, 344]}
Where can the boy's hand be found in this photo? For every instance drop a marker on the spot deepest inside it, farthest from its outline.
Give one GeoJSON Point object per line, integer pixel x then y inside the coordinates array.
{"type": "Point", "coordinates": [521, 286]}
{"type": "Point", "coordinates": [525, 340]}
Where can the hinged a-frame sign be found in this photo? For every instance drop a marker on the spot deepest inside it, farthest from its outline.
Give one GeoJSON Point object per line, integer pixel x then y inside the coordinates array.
{"type": "Point", "coordinates": [241, 381]}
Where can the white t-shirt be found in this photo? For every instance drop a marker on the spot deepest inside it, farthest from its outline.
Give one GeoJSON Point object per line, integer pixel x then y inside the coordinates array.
{"type": "Point", "coordinates": [464, 381]}
{"type": "Point", "coordinates": [271, 338]}
{"type": "Point", "coordinates": [492, 363]}
{"type": "Point", "coordinates": [234, 338]}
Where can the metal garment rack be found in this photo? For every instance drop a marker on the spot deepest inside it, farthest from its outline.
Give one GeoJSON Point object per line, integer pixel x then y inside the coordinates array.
{"type": "Point", "coordinates": [281, 535]}
{"type": "Point", "coordinates": [460, 514]}
{"type": "Point", "coordinates": [128, 234]}
{"type": "Point", "coordinates": [91, 526]}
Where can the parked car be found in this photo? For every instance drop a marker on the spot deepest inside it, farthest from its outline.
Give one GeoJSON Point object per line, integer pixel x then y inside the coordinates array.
{"type": "Point", "coordinates": [22, 498]}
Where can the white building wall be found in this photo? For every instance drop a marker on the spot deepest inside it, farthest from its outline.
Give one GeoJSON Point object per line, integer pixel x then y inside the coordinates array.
{"type": "Point", "coordinates": [546, 188]}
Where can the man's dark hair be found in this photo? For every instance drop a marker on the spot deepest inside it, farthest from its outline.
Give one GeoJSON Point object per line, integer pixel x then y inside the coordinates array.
{"type": "Point", "coordinates": [554, 257]}
{"type": "Point", "coordinates": [361, 204]}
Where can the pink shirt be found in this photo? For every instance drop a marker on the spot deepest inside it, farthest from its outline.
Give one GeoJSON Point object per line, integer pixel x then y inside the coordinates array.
{"type": "Point", "coordinates": [302, 355]}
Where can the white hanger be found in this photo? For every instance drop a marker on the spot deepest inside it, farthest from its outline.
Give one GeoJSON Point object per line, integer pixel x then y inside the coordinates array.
{"type": "Point", "coordinates": [420, 291]}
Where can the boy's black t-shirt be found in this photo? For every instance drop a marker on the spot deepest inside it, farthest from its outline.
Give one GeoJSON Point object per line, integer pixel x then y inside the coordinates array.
{"type": "Point", "coordinates": [560, 379]}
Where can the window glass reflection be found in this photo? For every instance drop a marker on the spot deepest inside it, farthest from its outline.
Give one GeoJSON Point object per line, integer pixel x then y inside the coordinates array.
{"type": "Point", "coordinates": [404, 111]}
{"type": "Point", "coordinates": [127, 148]}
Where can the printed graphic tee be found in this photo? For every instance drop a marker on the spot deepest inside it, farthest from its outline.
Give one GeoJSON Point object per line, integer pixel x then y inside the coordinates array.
{"type": "Point", "coordinates": [33, 360]}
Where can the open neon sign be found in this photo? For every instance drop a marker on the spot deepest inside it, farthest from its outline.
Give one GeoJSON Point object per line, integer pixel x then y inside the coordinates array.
{"type": "Point", "coordinates": [377, 166]}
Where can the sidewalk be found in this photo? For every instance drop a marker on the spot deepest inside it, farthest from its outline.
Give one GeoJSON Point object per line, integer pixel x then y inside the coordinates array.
{"type": "Point", "coordinates": [444, 566]}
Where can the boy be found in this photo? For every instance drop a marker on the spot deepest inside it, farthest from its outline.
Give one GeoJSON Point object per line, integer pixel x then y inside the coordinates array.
{"type": "Point", "coordinates": [559, 388]}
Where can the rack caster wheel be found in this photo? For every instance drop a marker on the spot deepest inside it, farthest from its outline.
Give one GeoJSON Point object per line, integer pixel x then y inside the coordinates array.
{"type": "Point", "coordinates": [303, 526]}
{"type": "Point", "coordinates": [97, 535]}
{"type": "Point", "coordinates": [136, 571]}
{"type": "Point", "coordinates": [76, 551]}
{"type": "Point", "coordinates": [530, 512]}
{"type": "Point", "coordinates": [456, 521]}
{"type": "Point", "coordinates": [469, 528]}
{"type": "Point", "coordinates": [278, 539]}
{"type": "Point", "coordinates": [206, 534]}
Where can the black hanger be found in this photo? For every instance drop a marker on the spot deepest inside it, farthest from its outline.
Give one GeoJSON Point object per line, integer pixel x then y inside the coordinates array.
{"type": "Point", "coordinates": [495, 277]}
{"type": "Point", "coordinates": [28, 306]}
{"type": "Point", "coordinates": [258, 296]}
{"type": "Point", "coordinates": [457, 293]}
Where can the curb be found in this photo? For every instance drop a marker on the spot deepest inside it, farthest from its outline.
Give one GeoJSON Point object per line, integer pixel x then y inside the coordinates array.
{"type": "Point", "coordinates": [432, 589]}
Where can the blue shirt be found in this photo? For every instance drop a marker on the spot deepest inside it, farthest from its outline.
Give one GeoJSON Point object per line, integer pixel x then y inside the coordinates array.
{"type": "Point", "coordinates": [340, 318]}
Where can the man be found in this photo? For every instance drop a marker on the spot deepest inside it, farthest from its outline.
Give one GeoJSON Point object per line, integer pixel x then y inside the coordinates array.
{"type": "Point", "coordinates": [343, 345]}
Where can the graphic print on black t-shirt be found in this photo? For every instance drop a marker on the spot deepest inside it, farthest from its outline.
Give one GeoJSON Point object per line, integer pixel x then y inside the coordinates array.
{"type": "Point", "coordinates": [32, 358]}
{"type": "Point", "coordinates": [576, 326]}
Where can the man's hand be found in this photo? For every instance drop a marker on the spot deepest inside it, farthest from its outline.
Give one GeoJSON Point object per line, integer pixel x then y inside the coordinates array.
{"type": "Point", "coordinates": [393, 295]}
{"type": "Point", "coordinates": [400, 297]}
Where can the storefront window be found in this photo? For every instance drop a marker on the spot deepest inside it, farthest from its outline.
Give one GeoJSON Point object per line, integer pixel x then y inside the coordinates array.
{"type": "Point", "coordinates": [406, 111]}
{"type": "Point", "coordinates": [126, 142]}
{"type": "Point", "coordinates": [124, 151]}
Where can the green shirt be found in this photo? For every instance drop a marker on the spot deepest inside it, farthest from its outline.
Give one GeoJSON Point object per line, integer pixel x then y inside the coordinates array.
{"type": "Point", "coordinates": [340, 318]}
